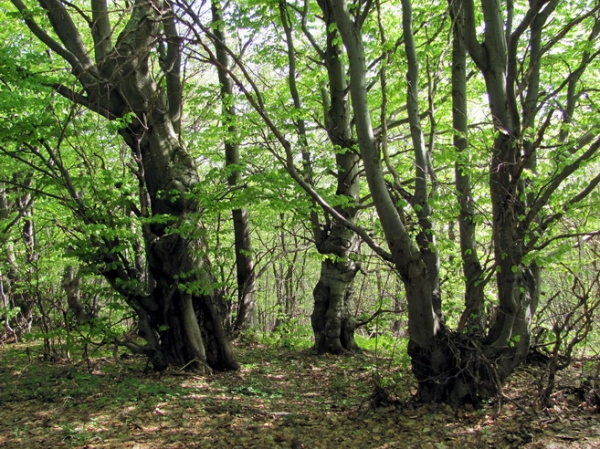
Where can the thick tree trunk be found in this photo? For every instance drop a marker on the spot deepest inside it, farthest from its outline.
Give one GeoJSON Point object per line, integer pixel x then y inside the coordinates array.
{"type": "Point", "coordinates": [332, 319]}
{"type": "Point", "coordinates": [183, 318]}
{"type": "Point", "coordinates": [190, 324]}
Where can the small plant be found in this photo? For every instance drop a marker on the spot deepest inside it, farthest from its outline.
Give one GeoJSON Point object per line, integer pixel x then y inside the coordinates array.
{"type": "Point", "coordinates": [20, 431]}
{"type": "Point", "coordinates": [290, 335]}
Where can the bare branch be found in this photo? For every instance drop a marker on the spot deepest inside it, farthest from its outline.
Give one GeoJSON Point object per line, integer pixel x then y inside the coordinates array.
{"type": "Point", "coordinates": [375, 315]}
{"type": "Point", "coordinates": [82, 100]}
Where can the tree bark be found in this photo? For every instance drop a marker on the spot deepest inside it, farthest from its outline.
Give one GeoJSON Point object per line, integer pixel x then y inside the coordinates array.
{"type": "Point", "coordinates": [246, 278]}
{"type": "Point", "coordinates": [119, 85]}
{"type": "Point", "coordinates": [413, 264]}
{"type": "Point", "coordinates": [332, 320]}
{"type": "Point", "coordinates": [71, 283]}
{"type": "Point", "coordinates": [17, 288]}
{"type": "Point", "coordinates": [472, 320]}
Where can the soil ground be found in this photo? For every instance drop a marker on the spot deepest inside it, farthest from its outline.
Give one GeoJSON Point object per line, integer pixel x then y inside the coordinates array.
{"type": "Point", "coordinates": [280, 398]}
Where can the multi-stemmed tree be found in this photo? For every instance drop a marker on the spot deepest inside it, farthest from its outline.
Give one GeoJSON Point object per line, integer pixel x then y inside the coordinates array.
{"type": "Point", "coordinates": [125, 66]}
{"type": "Point", "coordinates": [516, 63]}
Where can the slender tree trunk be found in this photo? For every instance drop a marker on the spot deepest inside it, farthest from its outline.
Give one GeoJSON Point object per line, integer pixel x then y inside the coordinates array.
{"type": "Point", "coordinates": [17, 287]}
{"type": "Point", "coordinates": [472, 320]}
{"type": "Point", "coordinates": [71, 283]}
{"type": "Point", "coordinates": [246, 279]}
{"type": "Point", "coordinates": [284, 273]}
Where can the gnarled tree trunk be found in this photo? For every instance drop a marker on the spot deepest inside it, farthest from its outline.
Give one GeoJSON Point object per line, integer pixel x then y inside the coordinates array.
{"type": "Point", "coordinates": [332, 319]}
{"type": "Point", "coordinates": [182, 319]}
{"type": "Point", "coordinates": [71, 283]}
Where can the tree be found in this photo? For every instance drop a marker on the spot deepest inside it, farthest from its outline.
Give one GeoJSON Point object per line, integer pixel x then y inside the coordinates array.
{"type": "Point", "coordinates": [16, 207]}
{"type": "Point", "coordinates": [332, 318]}
{"type": "Point", "coordinates": [182, 316]}
{"type": "Point", "coordinates": [333, 92]}
{"type": "Point", "coordinates": [246, 277]}
{"type": "Point", "coordinates": [460, 367]}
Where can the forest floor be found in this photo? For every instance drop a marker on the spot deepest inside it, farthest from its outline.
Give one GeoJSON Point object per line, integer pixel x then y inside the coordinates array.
{"type": "Point", "coordinates": [280, 398]}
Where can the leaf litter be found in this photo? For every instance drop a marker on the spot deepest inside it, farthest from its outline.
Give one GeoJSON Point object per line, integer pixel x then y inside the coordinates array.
{"type": "Point", "coordinates": [280, 398]}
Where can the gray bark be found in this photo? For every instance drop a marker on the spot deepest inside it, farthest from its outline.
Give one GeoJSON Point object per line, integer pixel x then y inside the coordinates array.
{"type": "Point", "coordinates": [246, 278]}
{"type": "Point", "coordinates": [16, 210]}
{"type": "Point", "coordinates": [332, 319]}
{"type": "Point", "coordinates": [517, 210]}
{"type": "Point", "coordinates": [71, 283]}
{"type": "Point", "coordinates": [473, 318]}
{"type": "Point", "coordinates": [424, 322]}
{"type": "Point", "coordinates": [120, 85]}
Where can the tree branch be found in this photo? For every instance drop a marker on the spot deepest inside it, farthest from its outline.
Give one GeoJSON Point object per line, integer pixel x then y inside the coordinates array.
{"type": "Point", "coordinates": [68, 34]}
{"type": "Point", "coordinates": [45, 37]}
{"type": "Point", "coordinates": [547, 192]}
{"type": "Point", "coordinates": [171, 65]}
{"type": "Point", "coordinates": [101, 30]}
{"type": "Point", "coordinates": [81, 99]}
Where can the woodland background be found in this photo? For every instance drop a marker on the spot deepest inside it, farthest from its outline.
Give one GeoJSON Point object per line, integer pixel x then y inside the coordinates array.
{"type": "Point", "coordinates": [185, 182]}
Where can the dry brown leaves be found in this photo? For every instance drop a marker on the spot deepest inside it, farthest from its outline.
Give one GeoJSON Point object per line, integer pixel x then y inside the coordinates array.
{"type": "Point", "coordinates": [279, 398]}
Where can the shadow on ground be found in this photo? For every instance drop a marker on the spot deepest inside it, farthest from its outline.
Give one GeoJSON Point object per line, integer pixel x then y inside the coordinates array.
{"type": "Point", "coordinates": [279, 399]}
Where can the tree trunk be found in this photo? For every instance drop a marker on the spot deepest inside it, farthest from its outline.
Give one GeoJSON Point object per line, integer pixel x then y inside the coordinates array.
{"type": "Point", "coordinates": [332, 318]}
{"type": "Point", "coordinates": [448, 366]}
{"type": "Point", "coordinates": [472, 320]}
{"type": "Point", "coordinates": [71, 283]}
{"type": "Point", "coordinates": [17, 288]}
{"type": "Point", "coordinates": [185, 309]}
{"type": "Point", "coordinates": [246, 278]}
{"type": "Point", "coordinates": [286, 272]}
{"type": "Point", "coordinates": [332, 321]}
{"type": "Point", "coordinates": [183, 318]}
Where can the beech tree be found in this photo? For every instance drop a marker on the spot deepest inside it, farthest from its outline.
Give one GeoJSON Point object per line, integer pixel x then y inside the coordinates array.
{"type": "Point", "coordinates": [470, 363]}
{"type": "Point", "coordinates": [332, 318]}
{"type": "Point", "coordinates": [126, 62]}
{"type": "Point", "coordinates": [245, 274]}
{"type": "Point", "coordinates": [16, 210]}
